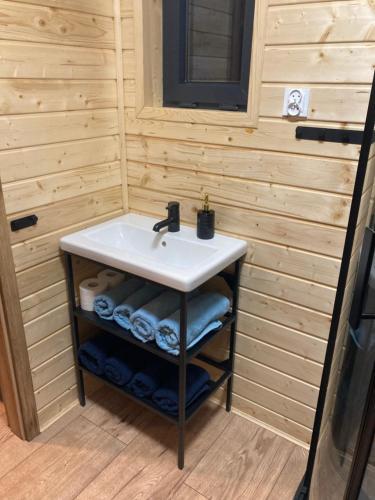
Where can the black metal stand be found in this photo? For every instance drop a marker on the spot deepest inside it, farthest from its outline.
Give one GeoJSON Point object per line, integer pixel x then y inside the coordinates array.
{"type": "Point", "coordinates": [184, 413]}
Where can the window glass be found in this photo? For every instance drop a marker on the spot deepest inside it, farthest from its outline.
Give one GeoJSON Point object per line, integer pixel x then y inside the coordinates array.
{"type": "Point", "coordinates": [215, 36]}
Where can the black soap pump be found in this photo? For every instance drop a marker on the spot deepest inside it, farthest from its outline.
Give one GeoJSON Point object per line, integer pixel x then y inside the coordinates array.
{"type": "Point", "coordinates": [206, 221]}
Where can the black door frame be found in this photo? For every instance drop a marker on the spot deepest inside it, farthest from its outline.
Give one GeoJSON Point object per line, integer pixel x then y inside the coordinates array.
{"type": "Point", "coordinates": [367, 141]}
{"type": "Point", "coordinates": [364, 445]}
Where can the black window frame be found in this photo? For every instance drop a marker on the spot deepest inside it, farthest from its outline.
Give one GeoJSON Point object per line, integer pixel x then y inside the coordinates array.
{"type": "Point", "coordinates": [231, 96]}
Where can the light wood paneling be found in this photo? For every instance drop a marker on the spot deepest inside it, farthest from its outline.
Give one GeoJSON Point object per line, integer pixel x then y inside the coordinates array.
{"type": "Point", "coordinates": [304, 204]}
{"type": "Point", "coordinates": [100, 7]}
{"type": "Point", "coordinates": [288, 314]}
{"type": "Point", "coordinates": [316, 23]}
{"type": "Point", "coordinates": [277, 381]}
{"type": "Point", "coordinates": [46, 324]}
{"type": "Point", "coordinates": [43, 351]}
{"type": "Point", "coordinates": [37, 250]}
{"type": "Point", "coordinates": [127, 33]}
{"type": "Point", "coordinates": [24, 195]}
{"type": "Point", "coordinates": [322, 64]}
{"type": "Point", "coordinates": [37, 96]}
{"type": "Point", "coordinates": [43, 301]}
{"type": "Point", "coordinates": [313, 173]}
{"type": "Point", "coordinates": [285, 338]}
{"type": "Point", "coordinates": [20, 164]}
{"type": "Point", "coordinates": [325, 102]}
{"type": "Point", "coordinates": [25, 60]}
{"type": "Point", "coordinates": [41, 276]}
{"type": "Point", "coordinates": [53, 368]}
{"type": "Point", "coordinates": [291, 261]}
{"type": "Point", "coordinates": [288, 198]}
{"type": "Point", "coordinates": [271, 134]}
{"type": "Point", "coordinates": [127, 8]}
{"type": "Point", "coordinates": [44, 395]}
{"type": "Point", "coordinates": [274, 401]}
{"type": "Point", "coordinates": [288, 288]}
{"type": "Point", "coordinates": [20, 131]}
{"type": "Point", "coordinates": [69, 212]}
{"type": "Point", "coordinates": [246, 406]}
{"type": "Point", "coordinates": [58, 408]}
{"type": "Point", "coordinates": [279, 359]}
{"type": "Point", "coordinates": [60, 158]}
{"type": "Point", "coordinates": [35, 23]}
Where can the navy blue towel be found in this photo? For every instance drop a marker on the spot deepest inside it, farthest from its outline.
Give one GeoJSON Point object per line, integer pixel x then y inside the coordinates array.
{"type": "Point", "coordinates": [119, 370]}
{"type": "Point", "coordinates": [166, 397]}
{"type": "Point", "coordinates": [94, 352]}
{"type": "Point", "coordinates": [149, 378]}
{"type": "Point", "coordinates": [121, 367]}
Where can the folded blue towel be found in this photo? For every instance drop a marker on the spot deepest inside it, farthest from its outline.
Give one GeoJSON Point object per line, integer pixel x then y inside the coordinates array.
{"type": "Point", "coordinates": [203, 313]}
{"type": "Point", "coordinates": [105, 303]}
{"type": "Point", "coordinates": [93, 353]}
{"type": "Point", "coordinates": [138, 299]}
{"type": "Point", "coordinates": [145, 320]}
{"type": "Point", "coordinates": [148, 379]}
{"type": "Point", "coordinates": [166, 397]}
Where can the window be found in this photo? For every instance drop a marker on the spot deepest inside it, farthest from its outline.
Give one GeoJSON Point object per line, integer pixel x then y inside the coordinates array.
{"type": "Point", "coordinates": [206, 53]}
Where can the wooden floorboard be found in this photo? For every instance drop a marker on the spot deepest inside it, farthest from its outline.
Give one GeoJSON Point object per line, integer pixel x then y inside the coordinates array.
{"type": "Point", "coordinates": [115, 449]}
{"type": "Point", "coordinates": [187, 493]}
{"type": "Point", "coordinates": [64, 466]}
{"type": "Point", "coordinates": [244, 458]}
{"type": "Point", "coordinates": [122, 421]}
{"type": "Point", "coordinates": [289, 479]}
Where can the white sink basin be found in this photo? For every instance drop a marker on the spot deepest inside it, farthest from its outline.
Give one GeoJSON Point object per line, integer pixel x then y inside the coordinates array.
{"type": "Point", "coordinates": [178, 260]}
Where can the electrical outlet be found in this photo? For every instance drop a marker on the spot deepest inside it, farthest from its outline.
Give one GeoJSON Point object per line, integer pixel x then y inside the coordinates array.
{"type": "Point", "coordinates": [296, 102]}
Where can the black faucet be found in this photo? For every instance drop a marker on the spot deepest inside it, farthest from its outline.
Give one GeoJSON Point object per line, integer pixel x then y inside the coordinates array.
{"type": "Point", "coordinates": [173, 221]}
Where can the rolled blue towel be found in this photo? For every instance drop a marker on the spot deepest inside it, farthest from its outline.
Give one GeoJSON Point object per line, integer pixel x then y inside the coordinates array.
{"type": "Point", "coordinates": [148, 379]}
{"type": "Point", "coordinates": [124, 363]}
{"type": "Point", "coordinates": [105, 303]}
{"type": "Point", "coordinates": [166, 397]}
{"type": "Point", "coordinates": [119, 370]}
{"type": "Point", "coordinates": [145, 320]}
{"type": "Point", "coordinates": [203, 313]}
{"type": "Point", "coordinates": [94, 352]}
{"type": "Point", "coordinates": [136, 300]}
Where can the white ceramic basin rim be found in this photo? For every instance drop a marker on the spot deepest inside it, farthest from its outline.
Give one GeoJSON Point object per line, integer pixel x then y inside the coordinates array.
{"type": "Point", "coordinates": [179, 260]}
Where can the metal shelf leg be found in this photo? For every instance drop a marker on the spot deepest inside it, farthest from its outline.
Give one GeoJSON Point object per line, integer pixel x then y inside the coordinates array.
{"type": "Point", "coordinates": [232, 342]}
{"type": "Point", "coordinates": [182, 383]}
{"type": "Point", "coordinates": [74, 323]}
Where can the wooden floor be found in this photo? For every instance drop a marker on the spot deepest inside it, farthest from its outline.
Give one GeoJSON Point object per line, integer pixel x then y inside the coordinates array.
{"type": "Point", "coordinates": [114, 449]}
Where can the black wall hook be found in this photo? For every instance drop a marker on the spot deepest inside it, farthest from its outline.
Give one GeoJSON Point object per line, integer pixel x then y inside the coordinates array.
{"type": "Point", "coordinates": [322, 134]}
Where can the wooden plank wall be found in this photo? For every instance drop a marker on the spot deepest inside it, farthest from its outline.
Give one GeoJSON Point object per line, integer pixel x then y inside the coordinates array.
{"type": "Point", "coordinates": [290, 199]}
{"type": "Point", "coordinates": [59, 159]}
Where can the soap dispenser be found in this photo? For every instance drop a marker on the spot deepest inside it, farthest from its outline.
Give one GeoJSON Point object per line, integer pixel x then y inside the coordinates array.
{"type": "Point", "coordinates": [206, 221]}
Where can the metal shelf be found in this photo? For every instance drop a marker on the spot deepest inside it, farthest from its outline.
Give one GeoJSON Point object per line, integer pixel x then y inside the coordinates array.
{"type": "Point", "coordinates": [149, 404]}
{"type": "Point", "coordinates": [113, 328]}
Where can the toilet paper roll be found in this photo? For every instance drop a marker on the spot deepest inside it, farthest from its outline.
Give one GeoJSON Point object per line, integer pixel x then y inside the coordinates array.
{"type": "Point", "coordinates": [111, 277]}
{"type": "Point", "coordinates": [88, 290]}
